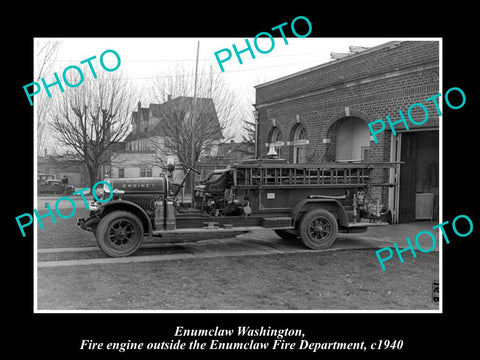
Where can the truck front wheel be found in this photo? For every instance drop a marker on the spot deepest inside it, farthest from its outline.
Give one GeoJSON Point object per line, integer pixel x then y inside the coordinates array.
{"type": "Point", "coordinates": [119, 233]}
{"type": "Point", "coordinates": [318, 229]}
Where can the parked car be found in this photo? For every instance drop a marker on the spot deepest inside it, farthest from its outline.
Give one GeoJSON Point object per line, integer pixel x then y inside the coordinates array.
{"type": "Point", "coordinates": [54, 186]}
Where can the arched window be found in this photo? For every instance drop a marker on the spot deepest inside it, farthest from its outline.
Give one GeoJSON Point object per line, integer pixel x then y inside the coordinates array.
{"type": "Point", "coordinates": [275, 137]}
{"type": "Point", "coordinates": [299, 143]}
{"type": "Point", "coordinates": [352, 140]}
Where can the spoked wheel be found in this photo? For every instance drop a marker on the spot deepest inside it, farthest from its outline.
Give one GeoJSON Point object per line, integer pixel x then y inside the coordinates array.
{"type": "Point", "coordinates": [318, 229]}
{"type": "Point", "coordinates": [119, 233]}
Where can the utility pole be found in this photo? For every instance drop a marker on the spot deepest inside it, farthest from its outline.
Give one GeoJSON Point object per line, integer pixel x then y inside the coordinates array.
{"type": "Point", "coordinates": [193, 128]}
{"type": "Point", "coordinates": [211, 81]}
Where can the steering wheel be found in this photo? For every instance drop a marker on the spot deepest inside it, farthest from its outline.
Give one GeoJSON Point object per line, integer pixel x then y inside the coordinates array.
{"type": "Point", "coordinates": [189, 167]}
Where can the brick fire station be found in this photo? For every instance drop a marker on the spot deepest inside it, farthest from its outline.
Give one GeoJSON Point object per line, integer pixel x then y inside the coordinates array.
{"type": "Point", "coordinates": [321, 114]}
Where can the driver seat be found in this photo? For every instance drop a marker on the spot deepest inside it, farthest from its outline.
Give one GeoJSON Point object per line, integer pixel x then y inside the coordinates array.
{"type": "Point", "coordinates": [217, 184]}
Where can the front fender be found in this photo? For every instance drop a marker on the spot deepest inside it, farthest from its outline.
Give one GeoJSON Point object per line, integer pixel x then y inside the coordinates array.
{"type": "Point", "coordinates": [126, 205]}
{"type": "Point", "coordinates": [89, 224]}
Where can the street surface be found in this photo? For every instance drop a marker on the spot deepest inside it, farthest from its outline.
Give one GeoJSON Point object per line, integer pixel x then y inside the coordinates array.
{"type": "Point", "coordinates": [259, 242]}
{"type": "Point", "coordinates": [256, 270]}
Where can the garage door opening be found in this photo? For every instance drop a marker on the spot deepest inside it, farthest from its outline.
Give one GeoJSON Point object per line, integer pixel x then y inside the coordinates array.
{"type": "Point", "coordinates": [419, 176]}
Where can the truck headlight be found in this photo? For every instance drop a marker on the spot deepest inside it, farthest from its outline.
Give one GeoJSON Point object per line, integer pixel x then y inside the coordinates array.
{"type": "Point", "coordinates": [94, 206]}
{"type": "Point", "coordinates": [102, 191]}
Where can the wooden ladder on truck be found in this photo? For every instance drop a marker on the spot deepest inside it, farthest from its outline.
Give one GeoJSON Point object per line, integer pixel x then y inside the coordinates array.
{"type": "Point", "coordinates": [328, 175]}
{"type": "Point", "coordinates": [312, 174]}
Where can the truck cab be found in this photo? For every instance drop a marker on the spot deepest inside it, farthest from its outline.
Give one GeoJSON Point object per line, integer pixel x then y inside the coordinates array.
{"type": "Point", "coordinates": [310, 202]}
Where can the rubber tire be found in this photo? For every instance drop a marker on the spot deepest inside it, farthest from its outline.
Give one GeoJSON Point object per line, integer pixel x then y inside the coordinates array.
{"type": "Point", "coordinates": [304, 225]}
{"type": "Point", "coordinates": [285, 234]}
{"type": "Point", "coordinates": [102, 233]}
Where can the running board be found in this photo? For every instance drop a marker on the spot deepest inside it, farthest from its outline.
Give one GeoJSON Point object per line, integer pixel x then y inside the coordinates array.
{"type": "Point", "coordinates": [216, 230]}
{"type": "Point", "coordinates": [366, 224]}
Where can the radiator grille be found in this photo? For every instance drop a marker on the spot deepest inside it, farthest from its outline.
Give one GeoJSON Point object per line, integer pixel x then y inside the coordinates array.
{"type": "Point", "coordinates": [146, 201]}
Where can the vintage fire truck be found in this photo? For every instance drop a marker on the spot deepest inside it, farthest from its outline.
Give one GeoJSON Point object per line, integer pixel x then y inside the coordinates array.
{"type": "Point", "coordinates": [310, 202]}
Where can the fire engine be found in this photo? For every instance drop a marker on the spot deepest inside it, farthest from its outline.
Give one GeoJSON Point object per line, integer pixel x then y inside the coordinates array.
{"type": "Point", "coordinates": [310, 202]}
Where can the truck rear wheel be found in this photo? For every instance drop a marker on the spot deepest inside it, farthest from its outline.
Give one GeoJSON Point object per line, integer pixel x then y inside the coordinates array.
{"type": "Point", "coordinates": [119, 233]}
{"type": "Point", "coordinates": [318, 229]}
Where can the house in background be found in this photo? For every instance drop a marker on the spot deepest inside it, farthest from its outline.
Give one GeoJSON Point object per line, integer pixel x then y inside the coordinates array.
{"type": "Point", "coordinates": [68, 165]}
{"type": "Point", "coordinates": [235, 152]}
{"type": "Point", "coordinates": [224, 154]}
{"type": "Point", "coordinates": [145, 149]}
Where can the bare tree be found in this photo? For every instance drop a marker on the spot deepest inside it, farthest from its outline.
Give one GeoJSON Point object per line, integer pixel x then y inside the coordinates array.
{"type": "Point", "coordinates": [207, 120]}
{"type": "Point", "coordinates": [92, 118]}
{"type": "Point", "coordinates": [46, 55]}
{"type": "Point", "coordinates": [182, 117]}
{"type": "Point", "coordinates": [248, 136]}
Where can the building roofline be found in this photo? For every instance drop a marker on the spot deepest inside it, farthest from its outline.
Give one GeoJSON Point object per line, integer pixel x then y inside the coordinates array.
{"type": "Point", "coordinates": [387, 45]}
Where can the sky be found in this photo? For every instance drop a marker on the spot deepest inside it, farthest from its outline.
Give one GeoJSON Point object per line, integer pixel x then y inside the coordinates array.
{"type": "Point", "coordinates": [145, 58]}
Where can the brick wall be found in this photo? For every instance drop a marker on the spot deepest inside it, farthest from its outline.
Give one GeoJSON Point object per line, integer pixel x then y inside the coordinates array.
{"type": "Point", "coordinates": [369, 85]}
{"type": "Point", "coordinates": [386, 59]}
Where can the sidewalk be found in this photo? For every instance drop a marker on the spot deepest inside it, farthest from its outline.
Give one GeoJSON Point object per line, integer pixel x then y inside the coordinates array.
{"type": "Point", "coordinates": [383, 236]}
{"type": "Point", "coordinates": [374, 237]}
